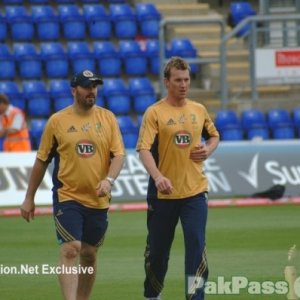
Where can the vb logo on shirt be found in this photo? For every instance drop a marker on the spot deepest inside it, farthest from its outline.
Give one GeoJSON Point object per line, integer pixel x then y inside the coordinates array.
{"type": "Point", "coordinates": [182, 139]}
{"type": "Point", "coordinates": [85, 148]}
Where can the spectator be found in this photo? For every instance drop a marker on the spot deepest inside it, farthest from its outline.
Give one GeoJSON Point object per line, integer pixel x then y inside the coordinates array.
{"type": "Point", "coordinates": [13, 127]}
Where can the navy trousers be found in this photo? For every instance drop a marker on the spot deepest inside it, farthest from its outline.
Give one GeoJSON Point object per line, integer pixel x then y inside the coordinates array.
{"type": "Point", "coordinates": [162, 218]}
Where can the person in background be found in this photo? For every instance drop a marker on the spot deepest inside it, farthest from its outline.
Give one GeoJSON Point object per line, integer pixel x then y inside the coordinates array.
{"type": "Point", "coordinates": [13, 127]}
{"type": "Point", "coordinates": [86, 144]}
{"type": "Point", "coordinates": [171, 148]}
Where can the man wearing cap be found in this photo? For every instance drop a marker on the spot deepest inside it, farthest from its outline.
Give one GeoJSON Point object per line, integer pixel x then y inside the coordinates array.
{"type": "Point", "coordinates": [86, 144]}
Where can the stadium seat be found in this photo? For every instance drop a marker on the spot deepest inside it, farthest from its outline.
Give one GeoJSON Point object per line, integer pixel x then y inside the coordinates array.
{"type": "Point", "coordinates": [134, 59]}
{"type": "Point", "coordinates": [39, 2]}
{"type": "Point", "coordinates": [3, 28]}
{"type": "Point", "coordinates": [72, 22]}
{"type": "Point", "coordinates": [253, 118]}
{"type": "Point", "coordinates": [11, 89]}
{"type": "Point", "coordinates": [117, 96]}
{"type": "Point", "coordinates": [36, 128]}
{"type": "Point", "coordinates": [28, 59]}
{"type": "Point", "coordinates": [60, 93]}
{"type": "Point", "coordinates": [183, 47]}
{"type": "Point", "coordinates": [7, 63]}
{"type": "Point", "coordinates": [284, 132]}
{"type": "Point", "coordinates": [98, 21]}
{"type": "Point", "coordinates": [238, 12]}
{"type": "Point", "coordinates": [129, 131]}
{"type": "Point", "coordinates": [296, 117]}
{"type": "Point", "coordinates": [55, 59]}
{"type": "Point", "coordinates": [100, 100]}
{"type": "Point", "coordinates": [226, 119]}
{"type": "Point", "coordinates": [152, 54]}
{"type": "Point", "coordinates": [148, 18]}
{"type": "Point", "coordinates": [258, 133]}
{"type": "Point", "coordinates": [46, 22]}
{"type": "Point", "coordinates": [108, 58]}
{"type": "Point", "coordinates": [231, 134]}
{"type": "Point", "coordinates": [1, 144]}
{"type": "Point", "coordinates": [37, 97]}
{"type": "Point", "coordinates": [278, 118]}
{"type": "Point", "coordinates": [81, 57]}
{"type": "Point", "coordinates": [20, 23]}
{"type": "Point", "coordinates": [142, 93]}
{"type": "Point", "coordinates": [124, 21]}
{"type": "Point", "coordinates": [12, 2]}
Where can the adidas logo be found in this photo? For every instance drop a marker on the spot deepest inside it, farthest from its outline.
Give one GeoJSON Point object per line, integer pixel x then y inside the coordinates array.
{"type": "Point", "coordinates": [72, 129]}
{"type": "Point", "coordinates": [59, 213]}
{"type": "Point", "coordinates": [171, 122]}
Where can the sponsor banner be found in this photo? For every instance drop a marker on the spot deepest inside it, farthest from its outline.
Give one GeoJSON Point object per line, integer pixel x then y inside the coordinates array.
{"type": "Point", "coordinates": [277, 65]}
{"type": "Point", "coordinates": [236, 169]}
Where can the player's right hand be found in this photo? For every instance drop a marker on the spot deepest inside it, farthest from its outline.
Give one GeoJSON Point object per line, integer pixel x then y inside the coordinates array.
{"type": "Point", "coordinates": [27, 210]}
{"type": "Point", "coordinates": [164, 185]}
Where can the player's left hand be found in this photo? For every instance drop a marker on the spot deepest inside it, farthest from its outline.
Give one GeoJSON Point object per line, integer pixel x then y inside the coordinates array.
{"type": "Point", "coordinates": [103, 188]}
{"type": "Point", "coordinates": [199, 153]}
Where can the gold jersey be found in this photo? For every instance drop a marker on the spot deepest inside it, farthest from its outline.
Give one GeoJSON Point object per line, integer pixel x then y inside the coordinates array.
{"type": "Point", "coordinates": [82, 147]}
{"type": "Point", "coordinates": [170, 133]}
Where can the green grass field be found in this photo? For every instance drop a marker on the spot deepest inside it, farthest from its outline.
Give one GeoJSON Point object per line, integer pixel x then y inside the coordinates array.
{"type": "Point", "coordinates": [251, 242]}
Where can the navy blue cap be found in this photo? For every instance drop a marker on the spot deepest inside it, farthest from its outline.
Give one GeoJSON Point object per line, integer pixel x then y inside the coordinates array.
{"type": "Point", "coordinates": [85, 79]}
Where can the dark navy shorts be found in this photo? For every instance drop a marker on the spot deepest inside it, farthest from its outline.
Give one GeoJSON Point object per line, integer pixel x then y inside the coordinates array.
{"type": "Point", "coordinates": [75, 222]}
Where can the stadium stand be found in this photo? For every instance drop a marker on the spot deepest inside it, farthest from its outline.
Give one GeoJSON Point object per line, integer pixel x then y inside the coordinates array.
{"type": "Point", "coordinates": [119, 39]}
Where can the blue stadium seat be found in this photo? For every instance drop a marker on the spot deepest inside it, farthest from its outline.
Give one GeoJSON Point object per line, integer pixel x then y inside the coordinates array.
{"type": "Point", "coordinates": [36, 128]}
{"type": "Point", "coordinates": [39, 2]}
{"type": "Point", "coordinates": [238, 12]}
{"type": "Point", "coordinates": [28, 59]}
{"type": "Point", "coordinates": [124, 20]}
{"type": "Point", "coordinates": [11, 89]}
{"type": "Point", "coordinates": [183, 47]}
{"type": "Point", "coordinates": [12, 2]}
{"type": "Point", "coordinates": [142, 93]}
{"type": "Point", "coordinates": [129, 131]}
{"type": "Point", "coordinates": [108, 58]}
{"type": "Point", "coordinates": [278, 118]}
{"type": "Point", "coordinates": [100, 100]}
{"type": "Point", "coordinates": [7, 63]}
{"type": "Point", "coordinates": [20, 23]}
{"type": "Point", "coordinates": [1, 144]}
{"type": "Point", "coordinates": [134, 59]}
{"type": "Point", "coordinates": [253, 118]}
{"type": "Point", "coordinates": [55, 59]}
{"type": "Point", "coordinates": [258, 133]}
{"type": "Point", "coordinates": [81, 57]}
{"type": "Point", "coordinates": [148, 18]}
{"type": "Point", "coordinates": [98, 21]}
{"type": "Point", "coordinates": [232, 134]}
{"type": "Point", "coordinates": [72, 22]}
{"type": "Point", "coordinates": [285, 132]}
{"type": "Point", "coordinates": [37, 97]}
{"type": "Point", "coordinates": [226, 119]}
{"type": "Point", "coordinates": [60, 93]}
{"type": "Point", "coordinates": [3, 28]}
{"type": "Point", "coordinates": [117, 96]}
{"type": "Point", "coordinates": [152, 54]}
{"type": "Point", "coordinates": [296, 120]}
{"type": "Point", "coordinates": [46, 22]}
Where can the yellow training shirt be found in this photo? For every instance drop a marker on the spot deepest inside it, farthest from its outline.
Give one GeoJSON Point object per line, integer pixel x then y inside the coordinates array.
{"type": "Point", "coordinates": [82, 147]}
{"type": "Point", "coordinates": [170, 133]}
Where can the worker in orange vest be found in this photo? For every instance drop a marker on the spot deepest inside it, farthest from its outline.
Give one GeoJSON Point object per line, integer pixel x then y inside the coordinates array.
{"type": "Point", "coordinates": [13, 127]}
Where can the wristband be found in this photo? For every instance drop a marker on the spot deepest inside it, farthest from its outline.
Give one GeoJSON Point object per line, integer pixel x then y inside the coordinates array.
{"type": "Point", "coordinates": [110, 180]}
